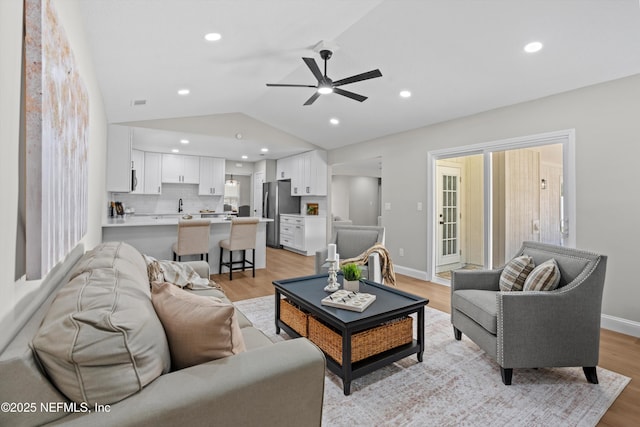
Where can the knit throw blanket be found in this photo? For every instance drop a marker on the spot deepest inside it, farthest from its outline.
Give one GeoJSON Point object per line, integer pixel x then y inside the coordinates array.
{"type": "Point", "coordinates": [177, 273]}
{"type": "Point", "coordinates": [386, 265]}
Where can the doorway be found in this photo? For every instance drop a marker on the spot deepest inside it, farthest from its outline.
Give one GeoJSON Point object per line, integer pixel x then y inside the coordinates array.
{"type": "Point", "coordinates": [486, 199]}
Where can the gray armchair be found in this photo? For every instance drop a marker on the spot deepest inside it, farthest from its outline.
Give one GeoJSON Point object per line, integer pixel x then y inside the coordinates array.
{"type": "Point", "coordinates": [558, 328]}
{"type": "Point", "coordinates": [351, 241]}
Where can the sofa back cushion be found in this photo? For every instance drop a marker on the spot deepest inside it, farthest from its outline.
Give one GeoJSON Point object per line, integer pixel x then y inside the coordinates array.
{"type": "Point", "coordinates": [101, 339]}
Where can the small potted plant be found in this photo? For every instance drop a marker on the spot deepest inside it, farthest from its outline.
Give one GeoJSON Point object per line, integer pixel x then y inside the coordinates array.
{"type": "Point", "coordinates": [352, 275]}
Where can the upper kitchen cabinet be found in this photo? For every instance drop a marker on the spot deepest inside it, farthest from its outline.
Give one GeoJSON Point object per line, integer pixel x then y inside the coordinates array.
{"type": "Point", "coordinates": [119, 158]}
{"type": "Point", "coordinates": [178, 169]}
{"type": "Point", "coordinates": [212, 172]}
{"type": "Point", "coordinates": [308, 173]}
{"type": "Point", "coordinates": [284, 168]}
{"type": "Point", "coordinates": [152, 173]}
{"type": "Point", "coordinates": [137, 175]}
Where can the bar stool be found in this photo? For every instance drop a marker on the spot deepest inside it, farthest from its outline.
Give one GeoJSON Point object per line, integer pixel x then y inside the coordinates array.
{"type": "Point", "coordinates": [242, 237]}
{"type": "Point", "coordinates": [193, 238]}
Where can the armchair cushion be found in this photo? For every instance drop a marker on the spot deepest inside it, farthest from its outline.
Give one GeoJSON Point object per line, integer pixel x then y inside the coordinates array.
{"type": "Point", "coordinates": [479, 305]}
{"type": "Point", "coordinates": [544, 277]}
{"type": "Point", "coordinates": [198, 328]}
{"type": "Point", "coordinates": [515, 273]}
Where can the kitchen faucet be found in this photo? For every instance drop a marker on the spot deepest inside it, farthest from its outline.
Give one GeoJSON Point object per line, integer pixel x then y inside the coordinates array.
{"type": "Point", "coordinates": [179, 205]}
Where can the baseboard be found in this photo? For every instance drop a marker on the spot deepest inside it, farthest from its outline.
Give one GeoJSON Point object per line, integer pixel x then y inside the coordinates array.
{"type": "Point", "coordinates": [618, 324]}
{"type": "Point", "coordinates": [411, 272]}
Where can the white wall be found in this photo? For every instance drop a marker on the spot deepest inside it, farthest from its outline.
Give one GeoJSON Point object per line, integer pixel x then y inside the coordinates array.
{"type": "Point", "coordinates": [340, 187]}
{"type": "Point", "coordinates": [14, 291]}
{"type": "Point", "coordinates": [605, 118]}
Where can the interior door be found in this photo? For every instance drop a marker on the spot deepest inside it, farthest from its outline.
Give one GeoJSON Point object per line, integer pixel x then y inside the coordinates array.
{"type": "Point", "coordinates": [448, 208]}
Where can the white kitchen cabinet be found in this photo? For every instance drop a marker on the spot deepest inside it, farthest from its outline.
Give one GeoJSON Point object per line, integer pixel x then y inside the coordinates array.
{"type": "Point", "coordinates": [119, 140]}
{"type": "Point", "coordinates": [152, 173]}
{"type": "Point", "coordinates": [284, 168]}
{"type": "Point", "coordinates": [308, 173]}
{"type": "Point", "coordinates": [179, 169]}
{"type": "Point", "coordinates": [314, 173]}
{"type": "Point", "coordinates": [212, 172]}
{"type": "Point", "coordinates": [304, 234]}
{"type": "Point", "coordinates": [137, 165]}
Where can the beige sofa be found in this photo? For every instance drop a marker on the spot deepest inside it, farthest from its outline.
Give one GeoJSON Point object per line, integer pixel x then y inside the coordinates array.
{"type": "Point", "coordinates": [268, 384]}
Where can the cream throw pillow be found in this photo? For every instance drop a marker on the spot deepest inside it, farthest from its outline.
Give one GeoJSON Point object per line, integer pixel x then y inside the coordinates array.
{"type": "Point", "coordinates": [515, 273]}
{"type": "Point", "coordinates": [198, 328]}
{"type": "Point", "coordinates": [544, 277]}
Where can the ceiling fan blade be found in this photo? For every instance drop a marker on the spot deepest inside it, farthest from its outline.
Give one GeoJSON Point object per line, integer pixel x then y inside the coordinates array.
{"type": "Point", "coordinates": [359, 77]}
{"type": "Point", "coordinates": [285, 85]}
{"type": "Point", "coordinates": [312, 99]}
{"type": "Point", "coordinates": [349, 94]}
{"type": "Point", "coordinates": [313, 66]}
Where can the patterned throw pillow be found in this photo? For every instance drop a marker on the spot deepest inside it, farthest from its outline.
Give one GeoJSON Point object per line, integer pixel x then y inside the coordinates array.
{"type": "Point", "coordinates": [544, 277]}
{"type": "Point", "coordinates": [515, 273]}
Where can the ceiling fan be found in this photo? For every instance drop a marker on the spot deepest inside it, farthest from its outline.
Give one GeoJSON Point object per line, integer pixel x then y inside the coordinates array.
{"type": "Point", "coordinates": [326, 85]}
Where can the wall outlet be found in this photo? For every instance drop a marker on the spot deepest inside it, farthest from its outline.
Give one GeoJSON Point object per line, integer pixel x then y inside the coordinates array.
{"type": "Point", "coordinates": [401, 251]}
{"type": "Point", "coordinates": [419, 206]}
{"type": "Point", "coordinates": [387, 206]}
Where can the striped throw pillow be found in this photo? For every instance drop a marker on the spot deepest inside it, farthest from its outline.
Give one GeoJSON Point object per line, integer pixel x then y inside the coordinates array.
{"type": "Point", "coordinates": [515, 273]}
{"type": "Point", "coordinates": [544, 277]}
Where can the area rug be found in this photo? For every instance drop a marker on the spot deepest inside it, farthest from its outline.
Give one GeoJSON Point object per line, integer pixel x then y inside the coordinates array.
{"type": "Point", "coordinates": [456, 385]}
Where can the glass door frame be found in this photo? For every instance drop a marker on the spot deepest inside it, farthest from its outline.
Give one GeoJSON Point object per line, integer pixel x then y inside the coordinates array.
{"type": "Point", "coordinates": [565, 137]}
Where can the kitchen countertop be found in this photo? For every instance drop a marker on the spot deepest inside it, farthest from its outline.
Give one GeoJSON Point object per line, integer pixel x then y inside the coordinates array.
{"type": "Point", "coordinates": [159, 219]}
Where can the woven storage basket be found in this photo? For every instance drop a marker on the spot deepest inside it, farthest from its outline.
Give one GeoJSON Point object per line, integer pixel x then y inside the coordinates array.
{"type": "Point", "coordinates": [294, 317]}
{"type": "Point", "coordinates": [363, 344]}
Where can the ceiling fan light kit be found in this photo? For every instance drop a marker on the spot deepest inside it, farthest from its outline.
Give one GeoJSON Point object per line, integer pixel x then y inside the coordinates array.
{"type": "Point", "coordinates": [325, 85]}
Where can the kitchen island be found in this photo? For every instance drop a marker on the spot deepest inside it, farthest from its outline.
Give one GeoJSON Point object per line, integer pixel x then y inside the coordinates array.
{"type": "Point", "coordinates": [154, 235]}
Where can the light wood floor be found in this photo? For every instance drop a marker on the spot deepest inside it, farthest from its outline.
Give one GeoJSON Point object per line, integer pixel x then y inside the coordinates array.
{"type": "Point", "coordinates": [619, 353]}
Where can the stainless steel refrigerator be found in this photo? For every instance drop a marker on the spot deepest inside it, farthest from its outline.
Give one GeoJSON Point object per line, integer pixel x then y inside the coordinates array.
{"type": "Point", "coordinates": [276, 200]}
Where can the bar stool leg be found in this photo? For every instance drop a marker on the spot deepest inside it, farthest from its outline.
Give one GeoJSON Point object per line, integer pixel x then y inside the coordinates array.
{"type": "Point", "coordinates": [254, 262]}
{"type": "Point", "coordinates": [244, 259]}
{"type": "Point", "coordinates": [220, 264]}
{"type": "Point", "coordinates": [230, 265]}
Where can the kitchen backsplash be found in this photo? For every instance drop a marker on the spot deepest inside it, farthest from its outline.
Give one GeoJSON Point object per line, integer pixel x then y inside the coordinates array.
{"type": "Point", "coordinates": [167, 202]}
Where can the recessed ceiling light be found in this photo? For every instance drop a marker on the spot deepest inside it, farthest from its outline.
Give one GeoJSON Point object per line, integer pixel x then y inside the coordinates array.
{"type": "Point", "coordinates": [334, 121]}
{"type": "Point", "coordinates": [244, 157]}
{"type": "Point", "coordinates": [175, 150]}
{"type": "Point", "coordinates": [264, 150]}
{"type": "Point", "coordinates": [212, 37]}
{"type": "Point", "coordinates": [405, 93]}
{"type": "Point", "coordinates": [184, 141]}
{"type": "Point", "coordinates": [533, 47]}
{"type": "Point", "coordinates": [184, 92]}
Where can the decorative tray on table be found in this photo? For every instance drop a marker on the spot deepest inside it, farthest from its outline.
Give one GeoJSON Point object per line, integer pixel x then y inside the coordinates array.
{"type": "Point", "coordinates": [354, 301]}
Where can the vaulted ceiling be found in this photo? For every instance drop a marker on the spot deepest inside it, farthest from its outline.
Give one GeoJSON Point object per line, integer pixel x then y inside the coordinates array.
{"type": "Point", "coordinates": [457, 57]}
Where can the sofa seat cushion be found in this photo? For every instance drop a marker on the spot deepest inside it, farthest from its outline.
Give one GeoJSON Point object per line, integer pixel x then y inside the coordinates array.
{"type": "Point", "coordinates": [479, 305]}
{"type": "Point", "coordinates": [255, 338]}
{"type": "Point", "coordinates": [101, 339]}
{"type": "Point", "coordinates": [199, 328]}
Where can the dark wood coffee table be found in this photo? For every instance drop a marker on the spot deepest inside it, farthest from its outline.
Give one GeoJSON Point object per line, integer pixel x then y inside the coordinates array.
{"type": "Point", "coordinates": [390, 304]}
